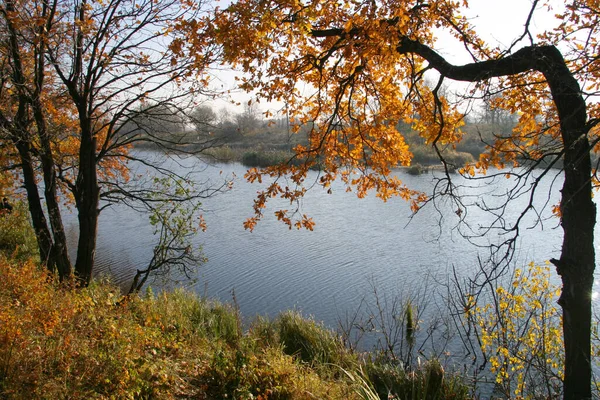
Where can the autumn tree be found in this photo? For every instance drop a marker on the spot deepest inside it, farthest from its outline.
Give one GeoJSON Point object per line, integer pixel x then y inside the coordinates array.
{"type": "Point", "coordinates": [108, 68]}
{"type": "Point", "coordinates": [359, 68]}
{"type": "Point", "coordinates": [30, 116]}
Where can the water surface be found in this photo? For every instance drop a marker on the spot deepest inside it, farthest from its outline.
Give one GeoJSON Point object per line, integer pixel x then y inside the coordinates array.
{"type": "Point", "coordinates": [357, 243]}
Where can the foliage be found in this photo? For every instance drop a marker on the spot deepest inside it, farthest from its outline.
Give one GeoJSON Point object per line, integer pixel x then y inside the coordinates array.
{"type": "Point", "coordinates": [175, 222]}
{"type": "Point", "coordinates": [224, 154]}
{"type": "Point", "coordinates": [268, 158]}
{"type": "Point", "coordinates": [56, 342]}
{"type": "Point", "coordinates": [415, 169]}
{"type": "Point", "coordinates": [455, 159]}
{"type": "Point", "coordinates": [17, 238]}
{"type": "Point", "coordinates": [519, 331]}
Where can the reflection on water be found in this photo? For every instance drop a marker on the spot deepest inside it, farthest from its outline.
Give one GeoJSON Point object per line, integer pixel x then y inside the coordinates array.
{"type": "Point", "coordinates": [327, 272]}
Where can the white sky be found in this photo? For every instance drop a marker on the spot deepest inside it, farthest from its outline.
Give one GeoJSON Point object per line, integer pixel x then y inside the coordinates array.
{"type": "Point", "coordinates": [501, 22]}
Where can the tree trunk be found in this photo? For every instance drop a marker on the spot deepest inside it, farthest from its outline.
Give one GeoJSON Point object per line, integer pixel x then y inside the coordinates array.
{"type": "Point", "coordinates": [576, 304]}
{"type": "Point", "coordinates": [38, 219]}
{"type": "Point", "coordinates": [60, 249]}
{"type": "Point", "coordinates": [86, 247]}
{"type": "Point", "coordinates": [576, 268]}
{"type": "Point", "coordinates": [577, 259]}
{"type": "Point", "coordinates": [61, 254]}
{"type": "Point", "coordinates": [87, 199]}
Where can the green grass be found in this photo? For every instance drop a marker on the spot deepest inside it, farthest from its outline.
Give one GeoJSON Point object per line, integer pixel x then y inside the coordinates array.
{"type": "Point", "coordinates": [310, 342]}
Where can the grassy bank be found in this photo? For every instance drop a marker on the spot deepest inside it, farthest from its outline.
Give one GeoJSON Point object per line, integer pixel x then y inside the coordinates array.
{"type": "Point", "coordinates": [60, 342]}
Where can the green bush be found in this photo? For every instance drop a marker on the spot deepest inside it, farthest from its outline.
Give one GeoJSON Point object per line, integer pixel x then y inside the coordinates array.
{"type": "Point", "coordinates": [17, 237]}
{"type": "Point", "coordinates": [415, 169]}
{"type": "Point", "coordinates": [222, 154]}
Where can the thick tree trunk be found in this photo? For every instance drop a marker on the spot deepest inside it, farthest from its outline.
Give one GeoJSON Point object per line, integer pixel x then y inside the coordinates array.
{"type": "Point", "coordinates": [61, 254]}
{"type": "Point", "coordinates": [577, 259]}
{"type": "Point", "coordinates": [577, 313]}
{"type": "Point", "coordinates": [87, 199]}
{"type": "Point", "coordinates": [87, 192]}
{"type": "Point", "coordinates": [86, 247]}
{"type": "Point", "coordinates": [60, 249]}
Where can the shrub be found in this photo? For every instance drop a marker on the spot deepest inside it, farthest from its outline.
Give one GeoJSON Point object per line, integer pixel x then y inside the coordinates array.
{"type": "Point", "coordinates": [58, 342]}
{"type": "Point", "coordinates": [426, 155]}
{"type": "Point", "coordinates": [519, 331]}
{"type": "Point", "coordinates": [458, 159]}
{"type": "Point", "coordinates": [266, 158]}
{"type": "Point", "coordinates": [17, 237]}
{"type": "Point", "coordinates": [222, 154]}
{"type": "Point", "coordinates": [415, 169]}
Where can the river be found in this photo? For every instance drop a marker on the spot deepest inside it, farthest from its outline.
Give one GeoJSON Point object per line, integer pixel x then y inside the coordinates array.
{"type": "Point", "coordinates": [356, 244]}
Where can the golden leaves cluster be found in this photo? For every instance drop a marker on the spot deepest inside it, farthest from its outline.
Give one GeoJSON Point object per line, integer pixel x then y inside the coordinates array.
{"type": "Point", "coordinates": [336, 67]}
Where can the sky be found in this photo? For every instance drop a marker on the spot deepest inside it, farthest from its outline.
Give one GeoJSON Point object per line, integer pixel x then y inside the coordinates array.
{"type": "Point", "coordinates": [500, 22]}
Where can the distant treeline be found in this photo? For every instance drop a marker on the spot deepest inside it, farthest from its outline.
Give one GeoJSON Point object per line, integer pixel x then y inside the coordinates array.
{"type": "Point", "coordinates": [250, 138]}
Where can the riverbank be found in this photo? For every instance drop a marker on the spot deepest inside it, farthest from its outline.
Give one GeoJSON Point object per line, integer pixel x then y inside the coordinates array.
{"type": "Point", "coordinates": [61, 342]}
